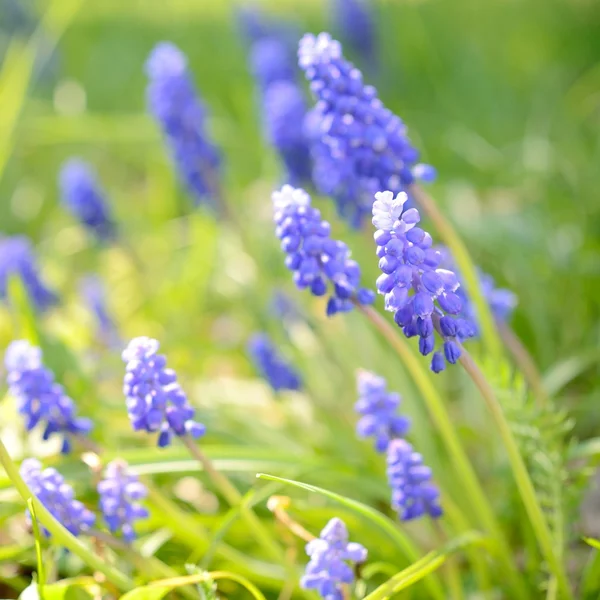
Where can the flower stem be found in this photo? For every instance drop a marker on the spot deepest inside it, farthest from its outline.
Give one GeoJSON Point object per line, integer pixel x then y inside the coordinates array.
{"type": "Point", "coordinates": [59, 533]}
{"type": "Point", "coordinates": [525, 362]}
{"type": "Point", "coordinates": [234, 498]}
{"type": "Point", "coordinates": [466, 267]}
{"type": "Point", "coordinates": [524, 484]}
{"type": "Point", "coordinates": [278, 505]}
{"type": "Point", "coordinates": [438, 413]}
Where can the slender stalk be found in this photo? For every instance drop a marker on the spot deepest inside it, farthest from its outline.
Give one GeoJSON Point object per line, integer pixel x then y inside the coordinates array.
{"type": "Point", "coordinates": [149, 565]}
{"type": "Point", "coordinates": [451, 567]}
{"type": "Point", "coordinates": [59, 533]}
{"type": "Point", "coordinates": [525, 363]}
{"type": "Point", "coordinates": [524, 484]}
{"type": "Point", "coordinates": [234, 498]}
{"type": "Point", "coordinates": [466, 267]}
{"type": "Point", "coordinates": [277, 505]}
{"type": "Point", "coordinates": [464, 469]}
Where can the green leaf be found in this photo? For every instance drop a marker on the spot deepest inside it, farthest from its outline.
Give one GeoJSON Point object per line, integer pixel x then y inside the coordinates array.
{"type": "Point", "coordinates": [423, 567]}
{"type": "Point", "coordinates": [592, 542]}
{"type": "Point", "coordinates": [41, 572]}
{"type": "Point", "coordinates": [403, 543]}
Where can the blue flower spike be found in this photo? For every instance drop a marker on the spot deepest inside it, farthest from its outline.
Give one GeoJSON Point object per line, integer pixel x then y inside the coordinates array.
{"type": "Point", "coordinates": [120, 496]}
{"type": "Point", "coordinates": [421, 295]}
{"type": "Point", "coordinates": [40, 399]}
{"type": "Point", "coordinates": [58, 497]}
{"type": "Point", "coordinates": [155, 400]}
{"type": "Point", "coordinates": [328, 569]}
{"type": "Point", "coordinates": [378, 408]}
{"type": "Point", "coordinates": [413, 493]}
{"type": "Point", "coordinates": [319, 263]}
{"type": "Point", "coordinates": [275, 369]}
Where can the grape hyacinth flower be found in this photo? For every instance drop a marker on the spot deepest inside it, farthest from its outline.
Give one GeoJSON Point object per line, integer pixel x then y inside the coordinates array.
{"type": "Point", "coordinates": [361, 147]}
{"type": "Point", "coordinates": [328, 569]}
{"type": "Point", "coordinates": [120, 495]}
{"type": "Point", "coordinates": [50, 488]}
{"type": "Point", "coordinates": [379, 410]}
{"type": "Point", "coordinates": [271, 61]}
{"type": "Point", "coordinates": [284, 111]}
{"type": "Point", "coordinates": [84, 198]}
{"type": "Point", "coordinates": [94, 295]}
{"type": "Point", "coordinates": [421, 295]}
{"type": "Point", "coordinates": [40, 399]}
{"type": "Point", "coordinates": [315, 258]}
{"type": "Point", "coordinates": [413, 493]}
{"type": "Point", "coordinates": [272, 366]}
{"type": "Point", "coordinates": [355, 22]}
{"type": "Point", "coordinates": [17, 259]}
{"type": "Point", "coordinates": [155, 400]}
{"type": "Point", "coordinates": [173, 101]}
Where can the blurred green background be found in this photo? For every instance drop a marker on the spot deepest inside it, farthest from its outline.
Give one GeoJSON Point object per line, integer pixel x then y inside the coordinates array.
{"type": "Point", "coordinates": [502, 96]}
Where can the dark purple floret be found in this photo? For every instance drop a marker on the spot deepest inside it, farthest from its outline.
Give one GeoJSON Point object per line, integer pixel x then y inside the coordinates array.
{"type": "Point", "coordinates": [413, 493]}
{"type": "Point", "coordinates": [319, 263]}
{"type": "Point", "coordinates": [175, 104]}
{"type": "Point", "coordinates": [83, 196]}
{"type": "Point", "coordinates": [40, 399]}
{"type": "Point", "coordinates": [275, 369]}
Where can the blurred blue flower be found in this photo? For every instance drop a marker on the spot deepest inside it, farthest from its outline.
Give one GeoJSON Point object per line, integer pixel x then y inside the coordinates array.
{"type": "Point", "coordinates": [17, 259]}
{"type": "Point", "coordinates": [83, 196]}
{"type": "Point", "coordinates": [421, 295]}
{"type": "Point", "coordinates": [361, 147]}
{"type": "Point", "coordinates": [379, 409]}
{"type": "Point", "coordinates": [173, 101]}
{"type": "Point", "coordinates": [413, 493]}
{"type": "Point", "coordinates": [354, 20]}
{"type": "Point", "coordinates": [270, 61]}
{"type": "Point", "coordinates": [328, 569]}
{"type": "Point", "coordinates": [40, 399]}
{"type": "Point", "coordinates": [255, 25]}
{"type": "Point", "coordinates": [93, 292]}
{"type": "Point", "coordinates": [120, 495]}
{"type": "Point", "coordinates": [155, 400]}
{"type": "Point", "coordinates": [316, 259]}
{"type": "Point", "coordinates": [272, 365]}
{"type": "Point", "coordinates": [50, 488]}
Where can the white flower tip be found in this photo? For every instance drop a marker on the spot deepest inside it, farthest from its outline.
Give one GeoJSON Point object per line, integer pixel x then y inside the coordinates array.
{"type": "Point", "coordinates": [322, 48]}
{"type": "Point", "coordinates": [387, 209]}
{"type": "Point", "coordinates": [289, 196]}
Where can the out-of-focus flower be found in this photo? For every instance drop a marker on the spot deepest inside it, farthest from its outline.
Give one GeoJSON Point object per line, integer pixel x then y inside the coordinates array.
{"type": "Point", "coordinates": [173, 101]}
{"type": "Point", "coordinates": [317, 260]}
{"type": "Point", "coordinates": [328, 569]}
{"type": "Point", "coordinates": [120, 495]}
{"type": "Point", "coordinates": [39, 397]}
{"type": "Point", "coordinates": [421, 295]}
{"type": "Point", "coordinates": [93, 292]}
{"type": "Point", "coordinates": [413, 493]}
{"type": "Point", "coordinates": [17, 259]}
{"type": "Point", "coordinates": [155, 400]}
{"type": "Point", "coordinates": [361, 147]}
{"type": "Point", "coordinates": [272, 365]}
{"type": "Point", "coordinates": [84, 198]}
{"type": "Point", "coordinates": [354, 21]}
{"type": "Point", "coordinates": [50, 488]}
{"type": "Point", "coordinates": [379, 409]}
{"type": "Point", "coordinates": [271, 61]}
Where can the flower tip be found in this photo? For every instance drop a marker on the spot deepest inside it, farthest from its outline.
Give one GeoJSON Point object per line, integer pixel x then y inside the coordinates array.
{"type": "Point", "coordinates": [165, 60]}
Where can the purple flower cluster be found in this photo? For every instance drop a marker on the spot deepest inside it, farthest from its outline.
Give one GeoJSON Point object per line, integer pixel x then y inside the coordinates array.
{"type": "Point", "coordinates": [120, 495]}
{"type": "Point", "coordinates": [413, 493]}
{"type": "Point", "coordinates": [379, 409]}
{"type": "Point", "coordinates": [155, 400]}
{"type": "Point", "coordinates": [173, 101]}
{"type": "Point", "coordinates": [39, 398]}
{"type": "Point", "coordinates": [271, 365]}
{"type": "Point", "coordinates": [313, 256]}
{"type": "Point", "coordinates": [360, 147]}
{"type": "Point", "coordinates": [94, 295]}
{"type": "Point", "coordinates": [355, 22]}
{"type": "Point", "coordinates": [328, 569]}
{"type": "Point", "coordinates": [50, 488]}
{"type": "Point", "coordinates": [421, 295]}
{"type": "Point", "coordinates": [283, 105]}
{"type": "Point", "coordinates": [17, 260]}
{"type": "Point", "coordinates": [82, 195]}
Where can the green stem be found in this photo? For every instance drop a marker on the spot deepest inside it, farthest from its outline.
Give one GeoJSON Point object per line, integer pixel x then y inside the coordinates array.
{"type": "Point", "coordinates": [235, 499]}
{"type": "Point", "coordinates": [524, 484]}
{"type": "Point", "coordinates": [438, 413]}
{"type": "Point", "coordinates": [455, 586]}
{"type": "Point", "coordinates": [467, 270]}
{"type": "Point", "coordinates": [59, 533]}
